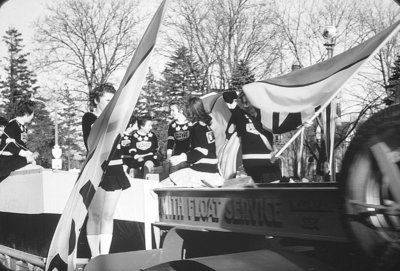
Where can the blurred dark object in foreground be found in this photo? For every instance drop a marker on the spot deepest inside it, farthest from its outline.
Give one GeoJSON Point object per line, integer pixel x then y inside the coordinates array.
{"type": "Point", "coordinates": [2, 2]}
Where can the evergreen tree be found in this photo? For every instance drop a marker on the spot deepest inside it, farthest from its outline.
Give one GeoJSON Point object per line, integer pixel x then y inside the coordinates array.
{"type": "Point", "coordinates": [19, 82]}
{"type": "Point", "coordinates": [41, 133]}
{"type": "Point", "coordinates": [152, 102]}
{"type": "Point", "coordinates": [394, 83]}
{"type": "Point", "coordinates": [18, 85]}
{"type": "Point", "coordinates": [69, 128]}
{"type": "Point", "coordinates": [182, 76]}
{"type": "Point", "coordinates": [241, 75]}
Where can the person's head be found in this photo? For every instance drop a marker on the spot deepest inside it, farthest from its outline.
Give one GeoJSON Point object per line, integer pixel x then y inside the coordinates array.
{"type": "Point", "coordinates": [177, 110]}
{"type": "Point", "coordinates": [196, 112]}
{"type": "Point", "coordinates": [25, 111]}
{"type": "Point", "coordinates": [100, 96]}
{"type": "Point", "coordinates": [145, 124]}
{"type": "Point", "coordinates": [245, 104]}
{"type": "Point", "coordinates": [3, 123]}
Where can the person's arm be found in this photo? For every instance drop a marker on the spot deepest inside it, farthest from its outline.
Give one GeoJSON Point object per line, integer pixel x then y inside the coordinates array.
{"type": "Point", "coordinates": [133, 151]}
{"type": "Point", "coordinates": [12, 134]}
{"type": "Point", "coordinates": [154, 144]}
{"type": "Point", "coordinates": [87, 121]}
{"type": "Point", "coordinates": [170, 141]}
{"type": "Point", "coordinates": [196, 151]}
{"type": "Point", "coordinates": [199, 145]}
{"type": "Point", "coordinates": [12, 131]}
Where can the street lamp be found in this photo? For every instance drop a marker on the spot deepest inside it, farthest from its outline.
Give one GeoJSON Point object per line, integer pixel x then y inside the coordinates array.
{"type": "Point", "coordinates": [329, 35]}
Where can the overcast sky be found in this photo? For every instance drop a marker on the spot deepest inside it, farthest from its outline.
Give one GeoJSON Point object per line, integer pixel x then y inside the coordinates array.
{"type": "Point", "coordinates": [20, 14]}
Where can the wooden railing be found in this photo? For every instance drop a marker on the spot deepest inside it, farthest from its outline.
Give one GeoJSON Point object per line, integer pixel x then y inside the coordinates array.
{"type": "Point", "coordinates": [19, 260]}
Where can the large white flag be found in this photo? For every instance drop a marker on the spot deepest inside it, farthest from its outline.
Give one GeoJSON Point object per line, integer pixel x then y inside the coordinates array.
{"type": "Point", "coordinates": [103, 137]}
{"type": "Point", "coordinates": [286, 102]}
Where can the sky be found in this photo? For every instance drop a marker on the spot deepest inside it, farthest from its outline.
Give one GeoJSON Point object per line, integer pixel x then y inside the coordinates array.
{"type": "Point", "coordinates": [20, 14]}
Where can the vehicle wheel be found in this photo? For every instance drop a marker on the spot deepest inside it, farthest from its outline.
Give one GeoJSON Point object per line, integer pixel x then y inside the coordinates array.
{"type": "Point", "coordinates": [370, 185]}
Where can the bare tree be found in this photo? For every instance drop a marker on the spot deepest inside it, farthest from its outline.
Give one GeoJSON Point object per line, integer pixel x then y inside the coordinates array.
{"type": "Point", "coordinates": [301, 25]}
{"type": "Point", "coordinates": [302, 22]}
{"type": "Point", "coordinates": [87, 40]}
{"type": "Point", "coordinates": [221, 33]}
{"type": "Point", "coordinates": [377, 17]}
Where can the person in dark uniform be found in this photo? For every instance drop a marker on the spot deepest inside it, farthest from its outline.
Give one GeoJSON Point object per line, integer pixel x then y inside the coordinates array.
{"type": "Point", "coordinates": [99, 226]}
{"type": "Point", "coordinates": [201, 157]}
{"type": "Point", "coordinates": [125, 143]}
{"type": "Point", "coordinates": [257, 143]}
{"type": "Point", "coordinates": [3, 144]}
{"type": "Point", "coordinates": [143, 148]}
{"type": "Point", "coordinates": [14, 153]}
{"type": "Point", "coordinates": [178, 135]}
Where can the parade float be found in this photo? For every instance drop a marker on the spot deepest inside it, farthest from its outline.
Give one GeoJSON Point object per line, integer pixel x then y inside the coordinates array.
{"type": "Point", "coordinates": [32, 201]}
{"type": "Point", "coordinates": [350, 224]}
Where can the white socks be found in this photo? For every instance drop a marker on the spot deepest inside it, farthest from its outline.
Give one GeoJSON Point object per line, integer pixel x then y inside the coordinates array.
{"type": "Point", "coordinates": [94, 244]}
{"type": "Point", "coordinates": [99, 244]}
{"type": "Point", "coordinates": [105, 243]}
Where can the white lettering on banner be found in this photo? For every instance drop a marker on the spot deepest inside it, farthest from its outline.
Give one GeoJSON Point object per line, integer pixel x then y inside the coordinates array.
{"type": "Point", "coordinates": [143, 145]}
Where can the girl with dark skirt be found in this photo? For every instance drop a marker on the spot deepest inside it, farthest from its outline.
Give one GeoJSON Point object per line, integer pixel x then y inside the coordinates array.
{"type": "Point", "coordinates": [99, 228]}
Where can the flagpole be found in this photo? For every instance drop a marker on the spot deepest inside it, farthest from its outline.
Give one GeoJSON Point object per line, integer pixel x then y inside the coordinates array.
{"type": "Point", "coordinates": [300, 154]}
{"type": "Point", "coordinates": [329, 35]}
{"type": "Point", "coordinates": [316, 114]}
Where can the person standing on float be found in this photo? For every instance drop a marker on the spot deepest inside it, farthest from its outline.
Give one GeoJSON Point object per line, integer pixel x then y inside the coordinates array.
{"type": "Point", "coordinates": [257, 143]}
{"type": "Point", "coordinates": [99, 228]}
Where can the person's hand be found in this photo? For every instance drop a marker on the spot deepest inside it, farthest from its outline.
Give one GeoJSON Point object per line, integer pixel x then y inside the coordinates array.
{"type": "Point", "coordinates": [138, 157]}
{"type": "Point", "coordinates": [24, 153]}
{"type": "Point", "coordinates": [308, 124]}
{"type": "Point", "coordinates": [169, 155]}
{"type": "Point", "coordinates": [35, 155]}
{"type": "Point", "coordinates": [29, 158]}
{"type": "Point", "coordinates": [130, 129]}
{"type": "Point", "coordinates": [273, 157]}
{"type": "Point", "coordinates": [10, 140]}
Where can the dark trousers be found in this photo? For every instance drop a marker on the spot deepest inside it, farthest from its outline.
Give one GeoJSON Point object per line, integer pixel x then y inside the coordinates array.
{"type": "Point", "coordinates": [10, 163]}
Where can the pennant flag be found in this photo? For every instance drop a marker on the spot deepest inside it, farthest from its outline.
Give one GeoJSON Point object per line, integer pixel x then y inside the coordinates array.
{"type": "Point", "coordinates": [288, 101]}
{"type": "Point", "coordinates": [102, 140]}
{"type": "Point", "coordinates": [226, 139]}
